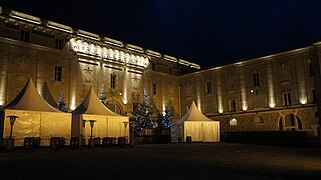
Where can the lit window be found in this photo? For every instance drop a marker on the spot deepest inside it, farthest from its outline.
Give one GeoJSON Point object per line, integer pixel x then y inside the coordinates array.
{"type": "Point", "coordinates": [233, 122]}
{"type": "Point", "coordinates": [112, 81]}
{"type": "Point", "coordinates": [25, 36]}
{"type": "Point", "coordinates": [58, 73]}
{"type": "Point", "coordinates": [59, 44]}
{"type": "Point", "coordinates": [287, 99]}
{"type": "Point", "coordinates": [256, 79]}
{"type": "Point", "coordinates": [154, 89]}
{"type": "Point", "coordinates": [208, 87]}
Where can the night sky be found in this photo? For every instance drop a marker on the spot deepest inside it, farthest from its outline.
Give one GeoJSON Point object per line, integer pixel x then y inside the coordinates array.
{"type": "Point", "coordinates": [207, 32]}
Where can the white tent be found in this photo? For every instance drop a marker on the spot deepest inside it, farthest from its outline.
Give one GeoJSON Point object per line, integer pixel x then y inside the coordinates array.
{"type": "Point", "coordinates": [196, 125]}
{"type": "Point", "coordinates": [36, 118]}
{"type": "Point", "coordinates": [108, 123]}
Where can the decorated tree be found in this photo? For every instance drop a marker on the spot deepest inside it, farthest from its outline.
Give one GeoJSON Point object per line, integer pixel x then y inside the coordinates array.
{"type": "Point", "coordinates": [61, 103]}
{"type": "Point", "coordinates": [102, 96]}
{"type": "Point", "coordinates": [142, 115]}
{"type": "Point", "coordinates": [166, 121]}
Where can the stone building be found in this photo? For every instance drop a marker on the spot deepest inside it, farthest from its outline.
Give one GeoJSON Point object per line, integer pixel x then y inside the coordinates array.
{"type": "Point", "coordinates": [271, 93]}
{"type": "Point", "coordinates": [63, 59]}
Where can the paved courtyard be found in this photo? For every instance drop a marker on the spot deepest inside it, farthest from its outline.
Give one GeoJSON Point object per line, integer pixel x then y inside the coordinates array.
{"type": "Point", "coordinates": [164, 161]}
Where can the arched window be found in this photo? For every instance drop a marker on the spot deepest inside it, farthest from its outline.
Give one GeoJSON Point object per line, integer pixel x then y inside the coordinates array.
{"type": "Point", "coordinates": [114, 107]}
{"type": "Point", "coordinates": [290, 122]}
{"type": "Point", "coordinates": [258, 119]}
{"type": "Point", "coordinates": [233, 122]}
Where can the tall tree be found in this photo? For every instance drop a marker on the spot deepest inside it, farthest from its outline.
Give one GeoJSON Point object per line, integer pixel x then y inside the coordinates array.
{"type": "Point", "coordinates": [142, 114]}
{"type": "Point", "coordinates": [166, 120]}
{"type": "Point", "coordinates": [61, 103]}
{"type": "Point", "coordinates": [102, 96]}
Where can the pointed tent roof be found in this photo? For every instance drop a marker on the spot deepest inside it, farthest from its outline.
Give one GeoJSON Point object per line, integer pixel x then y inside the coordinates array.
{"type": "Point", "coordinates": [30, 99]}
{"type": "Point", "coordinates": [92, 105]}
{"type": "Point", "coordinates": [193, 114]}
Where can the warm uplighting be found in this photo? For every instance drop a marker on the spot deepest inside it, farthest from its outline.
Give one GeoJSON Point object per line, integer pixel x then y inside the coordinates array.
{"type": "Point", "coordinates": [244, 107]}
{"type": "Point", "coordinates": [270, 86]}
{"type": "Point", "coordinates": [125, 101]}
{"type": "Point", "coordinates": [2, 90]}
{"type": "Point", "coordinates": [199, 103]}
{"type": "Point", "coordinates": [73, 103]}
{"type": "Point", "coordinates": [272, 105]}
{"type": "Point", "coordinates": [303, 101]}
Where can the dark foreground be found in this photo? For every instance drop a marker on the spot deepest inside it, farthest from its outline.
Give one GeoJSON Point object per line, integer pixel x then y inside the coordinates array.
{"type": "Point", "coordinates": [164, 161]}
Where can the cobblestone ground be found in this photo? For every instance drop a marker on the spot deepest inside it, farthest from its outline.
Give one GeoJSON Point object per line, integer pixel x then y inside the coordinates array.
{"type": "Point", "coordinates": [164, 161]}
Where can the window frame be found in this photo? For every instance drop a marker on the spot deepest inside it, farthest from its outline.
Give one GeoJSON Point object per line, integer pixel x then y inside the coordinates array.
{"type": "Point", "coordinates": [208, 87]}
{"type": "Point", "coordinates": [58, 73]}
{"type": "Point", "coordinates": [24, 35]}
{"type": "Point", "coordinates": [113, 81]}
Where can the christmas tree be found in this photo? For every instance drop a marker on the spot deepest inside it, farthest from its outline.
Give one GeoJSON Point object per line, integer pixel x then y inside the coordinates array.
{"type": "Point", "coordinates": [61, 103]}
{"type": "Point", "coordinates": [165, 121]}
{"type": "Point", "coordinates": [142, 115]}
{"type": "Point", "coordinates": [101, 96]}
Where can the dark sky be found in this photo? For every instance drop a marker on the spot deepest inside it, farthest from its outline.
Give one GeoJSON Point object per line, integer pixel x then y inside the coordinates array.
{"type": "Point", "coordinates": [207, 32]}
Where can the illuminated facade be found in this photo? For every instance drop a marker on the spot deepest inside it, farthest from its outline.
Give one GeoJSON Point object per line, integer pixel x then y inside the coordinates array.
{"type": "Point", "coordinates": [271, 93]}
{"type": "Point", "coordinates": [276, 92]}
{"type": "Point", "coordinates": [60, 58]}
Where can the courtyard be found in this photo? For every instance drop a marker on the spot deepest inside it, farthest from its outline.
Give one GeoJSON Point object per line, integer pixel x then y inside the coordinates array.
{"type": "Point", "coordinates": [164, 161]}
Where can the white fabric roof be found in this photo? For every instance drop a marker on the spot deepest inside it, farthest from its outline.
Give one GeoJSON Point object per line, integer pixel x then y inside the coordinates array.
{"type": "Point", "coordinates": [193, 114]}
{"type": "Point", "coordinates": [92, 105]}
{"type": "Point", "coordinates": [30, 99]}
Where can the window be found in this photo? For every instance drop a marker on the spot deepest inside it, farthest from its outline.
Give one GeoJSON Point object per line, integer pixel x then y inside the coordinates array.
{"type": "Point", "coordinates": [208, 87]}
{"type": "Point", "coordinates": [58, 73]}
{"type": "Point", "coordinates": [256, 79]}
{"type": "Point", "coordinates": [314, 96]}
{"type": "Point", "coordinates": [233, 122]}
{"type": "Point", "coordinates": [25, 36]}
{"type": "Point", "coordinates": [112, 81]}
{"type": "Point", "coordinates": [287, 99]}
{"type": "Point", "coordinates": [114, 107]}
{"type": "Point", "coordinates": [232, 104]}
{"type": "Point", "coordinates": [310, 69]}
{"type": "Point", "coordinates": [187, 108]}
{"type": "Point", "coordinates": [153, 66]}
{"type": "Point", "coordinates": [290, 122]}
{"type": "Point", "coordinates": [154, 89]}
{"type": "Point", "coordinates": [59, 44]}
{"type": "Point", "coordinates": [258, 119]}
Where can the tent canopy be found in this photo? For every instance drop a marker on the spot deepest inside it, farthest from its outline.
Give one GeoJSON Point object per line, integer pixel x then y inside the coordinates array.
{"type": "Point", "coordinates": [108, 123]}
{"type": "Point", "coordinates": [197, 126]}
{"type": "Point", "coordinates": [92, 105]}
{"type": "Point", "coordinates": [36, 118]}
{"type": "Point", "coordinates": [193, 114]}
{"type": "Point", "coordinates": [29, 99]}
